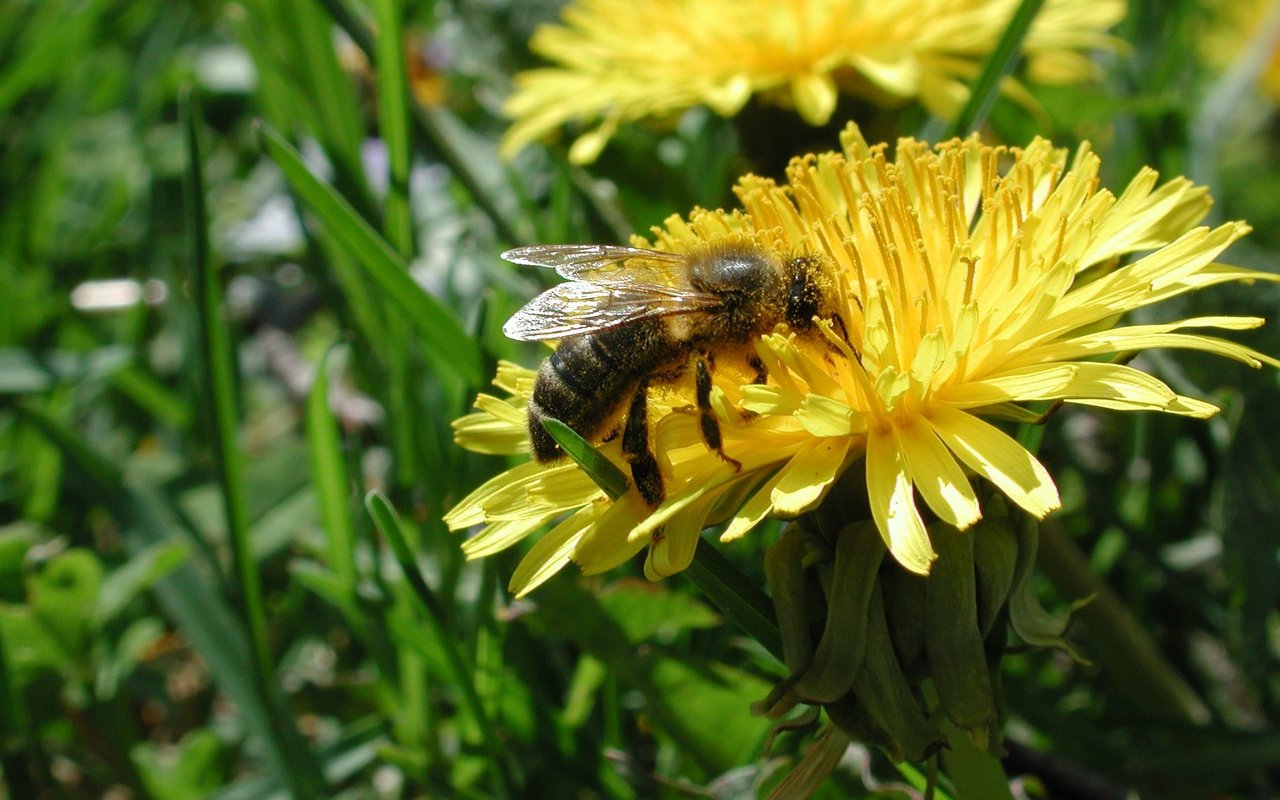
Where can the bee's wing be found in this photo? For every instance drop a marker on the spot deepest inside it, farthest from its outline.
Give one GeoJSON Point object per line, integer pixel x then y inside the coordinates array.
{"type": "Point", "coordinates": [604, 263]}
{"type": "Point", "coordinates": [578, 307]}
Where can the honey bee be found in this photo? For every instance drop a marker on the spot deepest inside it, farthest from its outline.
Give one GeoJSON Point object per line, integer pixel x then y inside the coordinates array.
{"type": "Point", "coordinates": [630, 317]}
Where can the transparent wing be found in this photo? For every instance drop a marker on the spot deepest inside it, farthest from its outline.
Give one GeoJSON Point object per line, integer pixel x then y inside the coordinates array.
{"type": "Point", "coordinates": [578, 307]}
{"type": "Point", "coordinates": [604, 263]}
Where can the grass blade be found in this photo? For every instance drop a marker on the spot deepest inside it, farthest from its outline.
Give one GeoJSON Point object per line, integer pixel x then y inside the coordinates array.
{"type": "Point", "coordinates": [329, 479]}
{"type": "Point", "coordinates": [218, 365]}
{"type": "Point", "coordinates": [13, 764]}
{"type": "Point", "coordinates": [1001, 61]}
{"type": "Point", "coordinates": [393, 123]}
{"type": "Point", "coordinates": [388, 522]}
{"type": "Point", "coordinates": [219, 368]}
{"type": "Point", "coordinates": [448, 346]}
{"type": "Point", "coordinates": [331, 89]}
{"type": "Point", "coordinates": [437, 129]}
{"type": "Point", "coordinates": [736, 596]}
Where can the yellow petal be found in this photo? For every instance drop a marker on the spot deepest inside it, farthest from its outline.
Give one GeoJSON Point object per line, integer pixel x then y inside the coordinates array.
{"type": "Point", "coordinates": [900, 77]}
{"type": "Point", "coordinates": [501, 535]}
{"type": "Point", "coordinates": [752, 512]}
{"type": "Point", "coordinates": [471, 510]}
{"type": "Point", "coordinates": [771, 400]}
{"type": "Point", "coordinates": [611, 540]}
{"type": "Point", "coordinates": [551, 552]}
{"type": "Point", "coordinates": [1179, 406]}
{"type": "Point", "coordinates": [825, 416]}
{"type": "Point", "coordinates": [672, 550]}
{"type": "Point", "coordinates": [547, 489]}
{"type": "Point", "coordinates": [501, 427]}
{"type": "Point", "coordinates": [808, 475]}
{"type": "Point", "coordinates": [587, 147]}
{"type": "Point", "coordinates": [999, 458]}
{"type": "Point", "coordinates": [815, 97]}
{"type": "Point", "coordinates": [729, 97]}
{"type": "Point", "coordinates": [893, 505]}
{"type": "Point", "coordinates": [937, 476]}
{"type": "Point", "coordinates": [1071, 382]}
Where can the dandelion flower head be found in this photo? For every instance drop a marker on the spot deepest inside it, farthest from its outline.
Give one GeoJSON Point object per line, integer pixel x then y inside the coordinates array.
{"type": "Point", "coordinates": [616, 61]}
{"type": "Point", "coordinates": [974, 282]}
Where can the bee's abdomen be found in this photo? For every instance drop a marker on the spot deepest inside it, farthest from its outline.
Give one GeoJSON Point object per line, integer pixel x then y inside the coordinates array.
{"type": "Point", "coordinates": [589, 376]}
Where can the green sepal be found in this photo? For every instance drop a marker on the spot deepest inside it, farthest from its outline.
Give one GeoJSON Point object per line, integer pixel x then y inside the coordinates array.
{"type": "Point", "coordinates": [836, 662]}
{"type": "Point", "coordinates": [784, 571]}
{"type": "Point", "coordinates": [905, 608]}
{"type": "Point", "coordinates": [995, 558]}
{"type": "Point", "coordinates": [1031, 621]}
{"type": "Point", "coordinates": [957, 659]}
{"type": "Point", "coordinates": [883, 698]}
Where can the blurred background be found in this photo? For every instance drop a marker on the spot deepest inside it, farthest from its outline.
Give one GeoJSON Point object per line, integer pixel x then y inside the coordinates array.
{"type": "Point", "coordinates": [208, 357]}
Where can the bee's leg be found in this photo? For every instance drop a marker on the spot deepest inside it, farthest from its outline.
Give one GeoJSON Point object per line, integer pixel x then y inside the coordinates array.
{"type": "Point", "coordinates": [636, 450]}
{"type": "Point", "coordinates": [762, 372]}
{"type": "Point", "coordinates": [707, 417]}
{"type": "Point", "coordinates": [837, 324]}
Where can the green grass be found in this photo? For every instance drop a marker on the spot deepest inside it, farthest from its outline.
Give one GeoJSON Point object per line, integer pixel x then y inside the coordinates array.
{"type": "Point", "coordinates": [223, 570]}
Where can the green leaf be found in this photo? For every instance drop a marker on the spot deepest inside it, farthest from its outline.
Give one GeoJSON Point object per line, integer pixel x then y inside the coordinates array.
{"type": "Point", "coordinates": [22, 373]}
{"type": "Point", "coordinates": [736, 596]}
{"type": "Point", "coordinates": [646, 610]}
{"type": "Point", "coordinates": [197, 609]}
{"type": "Point", "coordinates": [600, 469]}
{"type": "Point", "coordinates": [191, 768]}
{"type": "Point", "coordinates": [388, 522]}
{"type": "Point", "coordinates": [329, 479]}
{"type": "Point", "coordinates": [123, 654]}
{"type": "Point", "coordinates": [682, 692]}
{"type": "Point", "coordinates": [445, 342]}
{"type": "Point", "coordinates": [25, 372]}
{"type": "Point", "coordinates": [62, 596]}
{"type": "Point", "coordinates": [33, 647]}
{"type": "Point", "coordinates": [136, 576]}
{"type": "Point", "coordinates": [463, 150]}
{"type": "Point", "coordinates": [328, 586]}
{"type": "Point", "coordinates": [15, 542]}
{"type": "Point", "coordinates": [218, 364]}
{"type": "Point", "coordinates": [393, 123]}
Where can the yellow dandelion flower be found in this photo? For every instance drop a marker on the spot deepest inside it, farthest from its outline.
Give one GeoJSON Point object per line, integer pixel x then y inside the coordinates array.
{"type": "Point", "coordinates": [617, 61]}
{"type": "Point", "coordinates": [971, 280]}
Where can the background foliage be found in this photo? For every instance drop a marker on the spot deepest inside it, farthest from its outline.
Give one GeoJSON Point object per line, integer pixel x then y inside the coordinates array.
{"type": "Point", "coordinates": [195, 600]}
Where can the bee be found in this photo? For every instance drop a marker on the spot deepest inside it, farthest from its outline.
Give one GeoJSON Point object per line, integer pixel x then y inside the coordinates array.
{"type": "Point", "coordinates": [629, 317]}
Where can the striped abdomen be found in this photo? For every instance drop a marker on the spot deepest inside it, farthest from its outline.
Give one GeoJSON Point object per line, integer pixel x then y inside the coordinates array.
{"type": "Point", "coordinates": [588, 377]}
